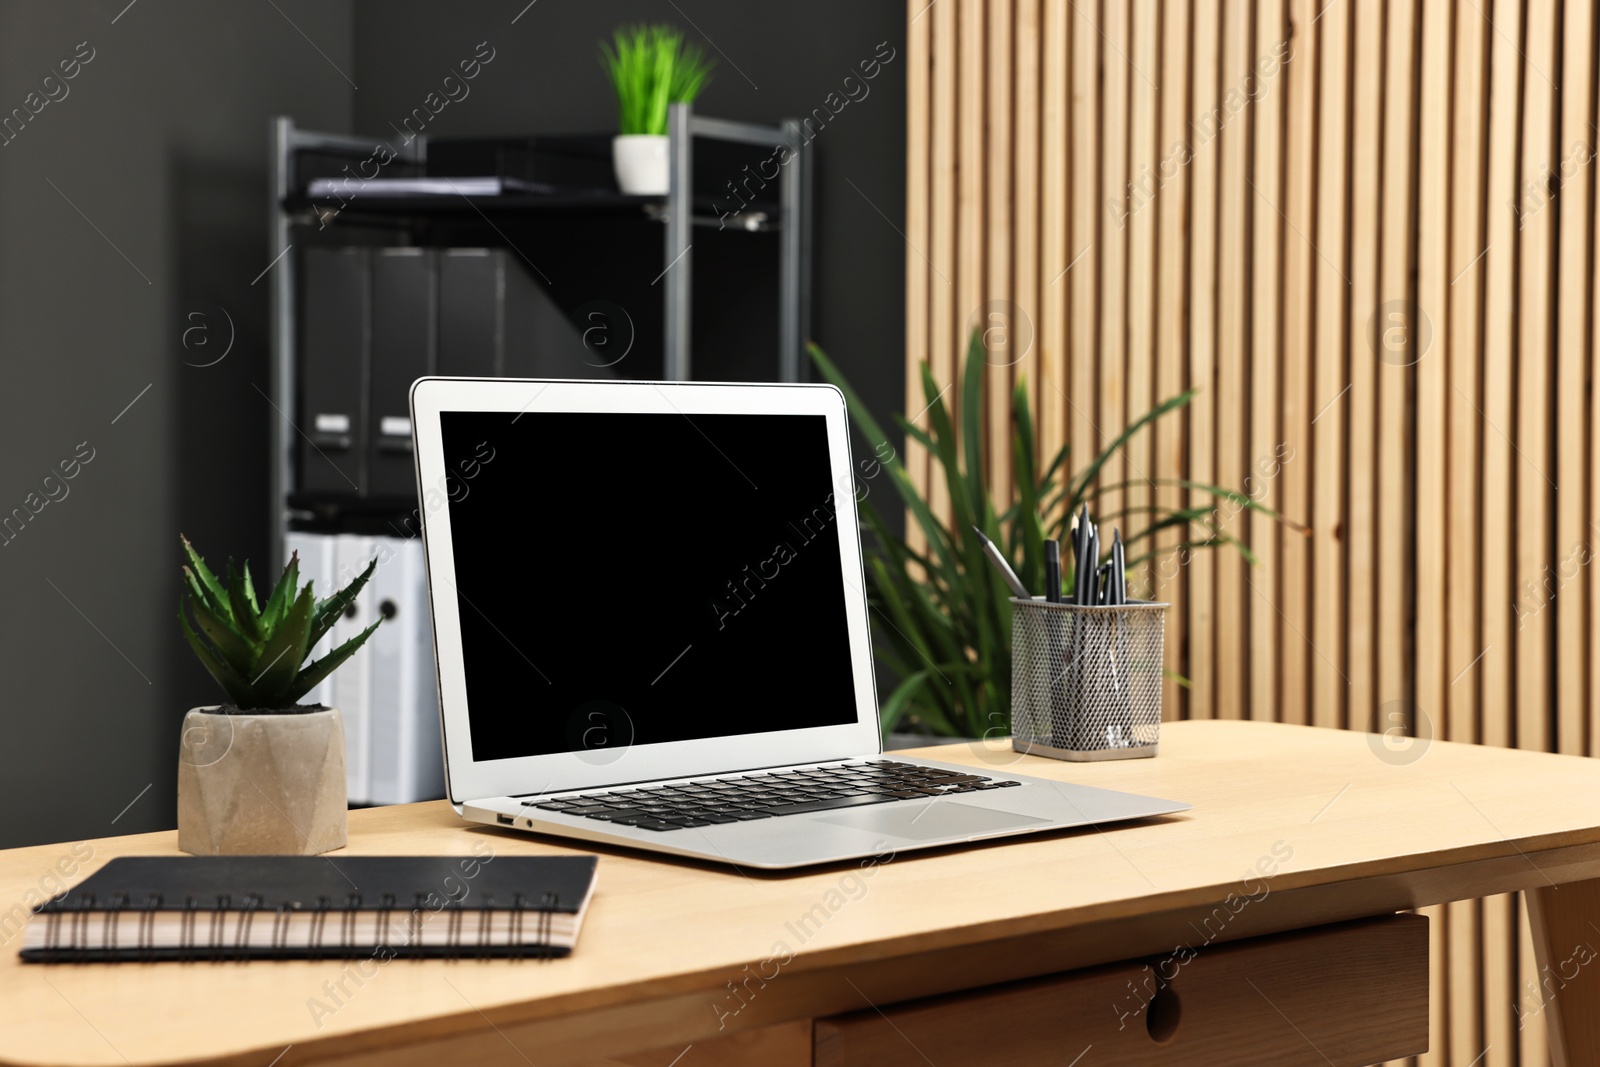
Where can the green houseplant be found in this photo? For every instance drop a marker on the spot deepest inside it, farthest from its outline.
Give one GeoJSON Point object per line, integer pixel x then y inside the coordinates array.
{"type": "Point", "coordinates": [650, 67]}
{"type": "Point", "coordinates": [263, 773]}
{"type": "Point", "coordinates": [945, 615]}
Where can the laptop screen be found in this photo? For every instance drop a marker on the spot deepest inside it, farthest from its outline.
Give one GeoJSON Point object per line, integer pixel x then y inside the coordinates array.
{"type": "Point", "coordinates": [629, 579]}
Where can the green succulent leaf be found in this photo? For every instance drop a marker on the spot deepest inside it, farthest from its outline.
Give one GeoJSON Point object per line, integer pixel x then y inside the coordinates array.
{"type": "Point", "coordinates": [283, 652]}
{"type": "Point", "coordinates": [320, 669]}
{"type": "Point", "coordinates": [257, 653]}
{"type": "Point", "coordinates": [237, 688]}
{"type": "Point", "coordinates": [210, 589]}
{"type": "Point", "coordinates": [283, 594]}
{"type": "Point", "coordinates": [332, 609]}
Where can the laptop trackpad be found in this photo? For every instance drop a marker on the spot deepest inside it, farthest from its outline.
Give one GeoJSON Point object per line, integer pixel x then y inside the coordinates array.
{"type": "Point", "coordinates": [922, 822]}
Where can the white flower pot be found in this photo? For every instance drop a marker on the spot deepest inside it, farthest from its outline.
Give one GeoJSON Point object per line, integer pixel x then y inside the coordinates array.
{"type": "Point", "coordinates": [640, 160]}
{"type": "Point", "coordinates": [261, 784]}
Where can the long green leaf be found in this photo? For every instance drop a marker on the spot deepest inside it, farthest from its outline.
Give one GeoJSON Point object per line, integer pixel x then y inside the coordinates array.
{"type": "Point", "coordinates": [889, 711]}
{"type": "Point", "coordinates": [320, 669]}
{"type": "Point", "coordinates": [237, 688]}
{"type": "Point", "coordinates": [283, 653]}
{"type": "Point", "coordinates": [329, 611]}
{"type": "Point", "coordinates": [213, 593]}
{"type": "Point", "coordinates": [237, 650]}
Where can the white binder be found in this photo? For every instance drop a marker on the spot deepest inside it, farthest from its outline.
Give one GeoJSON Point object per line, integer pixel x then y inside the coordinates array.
{"type": "Point", "coordinates": [352, 682]}
{"type": "Point", "coordinates": [407, 761]}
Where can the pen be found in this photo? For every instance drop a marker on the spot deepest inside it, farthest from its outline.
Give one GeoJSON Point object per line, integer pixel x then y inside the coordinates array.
{"type": "Point", "coordinates": [1091, 560]}
{"type": "Point", "coordinates": [992, 550]}
{"type": "Point", "coordinates": [1052, 571]}
{"type": "Point", "coordinates": [1119, 568]}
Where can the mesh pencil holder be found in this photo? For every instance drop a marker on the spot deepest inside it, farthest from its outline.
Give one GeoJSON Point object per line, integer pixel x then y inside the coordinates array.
{"type": "Point", "coordinates": [1086, 681]}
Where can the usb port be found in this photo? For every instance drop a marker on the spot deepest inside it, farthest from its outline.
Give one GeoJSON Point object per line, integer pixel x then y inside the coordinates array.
{"type": "Point", "coordinates": [505, 820]}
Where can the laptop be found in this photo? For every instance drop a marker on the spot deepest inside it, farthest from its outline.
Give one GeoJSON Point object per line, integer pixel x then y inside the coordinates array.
{"type": "Point", "coordinates": [651, 628]}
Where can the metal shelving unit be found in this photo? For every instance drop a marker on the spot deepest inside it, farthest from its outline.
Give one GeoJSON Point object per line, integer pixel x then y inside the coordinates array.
{"type": "Point", "coordinates": [677, 210]}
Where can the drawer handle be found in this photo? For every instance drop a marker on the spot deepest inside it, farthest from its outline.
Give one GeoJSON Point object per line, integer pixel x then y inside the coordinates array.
{"type": "Point", "coordinates": [1162, 1014]}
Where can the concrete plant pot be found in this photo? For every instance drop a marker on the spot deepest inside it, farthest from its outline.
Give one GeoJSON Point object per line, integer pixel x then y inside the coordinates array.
{"type": "Point", "coordinates": [640, 160]}
{"type": "Point", "coordinates": [261, 783]}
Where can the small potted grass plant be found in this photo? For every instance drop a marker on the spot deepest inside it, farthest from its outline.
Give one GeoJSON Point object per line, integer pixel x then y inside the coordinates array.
{"type": "Point", "coordinates": [650, 67]}
{"type": "Point", "coordinates": [262, 774]}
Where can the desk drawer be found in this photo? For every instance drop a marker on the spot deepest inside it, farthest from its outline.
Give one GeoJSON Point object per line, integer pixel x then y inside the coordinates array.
{"type": "Point", "coordinates": [1354, 993]}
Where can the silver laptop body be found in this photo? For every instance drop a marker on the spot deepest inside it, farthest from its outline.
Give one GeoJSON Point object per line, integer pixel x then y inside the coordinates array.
{"type": "Point", "coordinates": [651, 629]}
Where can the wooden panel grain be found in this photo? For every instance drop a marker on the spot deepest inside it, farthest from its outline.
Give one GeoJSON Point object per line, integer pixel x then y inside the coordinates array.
{"type": "Point", "coordinates": [1535, 382]}
{"type": "Point", "coordinates": [1143, 161]}
{"type": "Point", "coordinates": [1331, 376]}
{"type": "Point", "coordinates": [1172, 267]}
{"type": "Point", "coordinates": [1090, 56]}
{"type": "Point", "coordinates": [919, 180]}
{"type": "Point", "coordinates": [1397, 339]}
{"type": "Point", "coordinates": [1573, 181]}
{"type": "Point", "coordinates": [1498, 595]}
{"type": "Point", "coordinates": [1054, 223]}
{"type": "Point", "coordinates": [1025, 187]}
{"type": "Point", "coordinates": [1242, 82]}
{"type": "Point", "coordinates": [1433, 302]}
{"type": "Point", "coordinates": [1299, 289]}
{"type": "Point", "coordinates": [996, 313]}
{"type": "Point", "coordinates": [1462, 649]}
{"type": "Point", "coordinates": [1274, 42]}
{"type": "Point", "coordinates": [971, 174]}
{"type": "Point", "coordinates": [942, 333]}
{"type": "Point", "coordinates": [1111, 237]}
{"type": "Point", "coordinates": [1205, 152]}
{"type": "Point", "coordinates": [1361, 532]}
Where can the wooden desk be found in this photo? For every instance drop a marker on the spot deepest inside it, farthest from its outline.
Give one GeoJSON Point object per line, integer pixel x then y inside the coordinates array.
{"type": "Point", "coordinates": [739, 965]}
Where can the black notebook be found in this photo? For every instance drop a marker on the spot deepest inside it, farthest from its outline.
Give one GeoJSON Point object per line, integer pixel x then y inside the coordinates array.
{"type": "Point", "coordinates": [305, 907]}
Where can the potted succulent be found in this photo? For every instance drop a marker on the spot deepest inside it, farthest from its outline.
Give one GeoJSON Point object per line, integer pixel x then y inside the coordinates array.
{"type": "Point", "coordinates": [262, 774]}
{"type": "Point", "coordinates": [650, 67]}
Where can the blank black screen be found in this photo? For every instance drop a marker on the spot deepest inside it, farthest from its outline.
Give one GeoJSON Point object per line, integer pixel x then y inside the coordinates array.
{"type": "Point", "coordinates": [630, 579]}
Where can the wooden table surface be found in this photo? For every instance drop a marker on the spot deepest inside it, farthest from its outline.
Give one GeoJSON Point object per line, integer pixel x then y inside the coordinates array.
{"type": "Point", "coordinates": [1292, 826]}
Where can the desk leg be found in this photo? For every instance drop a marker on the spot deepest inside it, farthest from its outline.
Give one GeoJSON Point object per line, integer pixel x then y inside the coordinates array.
{"type": "Point", "coordinates": [1566, 938]}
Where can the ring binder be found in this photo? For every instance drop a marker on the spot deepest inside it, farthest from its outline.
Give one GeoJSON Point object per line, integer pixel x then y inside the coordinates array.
{"type": "Point", "coordinates": [149, 908]}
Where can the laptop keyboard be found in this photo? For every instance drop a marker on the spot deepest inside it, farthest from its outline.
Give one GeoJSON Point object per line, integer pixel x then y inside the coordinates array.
{"type": "Point", "coordinates": [745, 797]}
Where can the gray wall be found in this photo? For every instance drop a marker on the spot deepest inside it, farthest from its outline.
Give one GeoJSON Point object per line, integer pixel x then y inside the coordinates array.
{"type": "Point", "coordinates": [161, 143]}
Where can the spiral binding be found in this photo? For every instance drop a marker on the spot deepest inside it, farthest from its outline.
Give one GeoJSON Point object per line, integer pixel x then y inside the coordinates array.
{"type": "Point", "coordinates": [186, 928]}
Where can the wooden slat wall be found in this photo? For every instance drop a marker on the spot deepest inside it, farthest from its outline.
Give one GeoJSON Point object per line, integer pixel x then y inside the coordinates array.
{"type": "Point", "coordinates": [1366, 233]}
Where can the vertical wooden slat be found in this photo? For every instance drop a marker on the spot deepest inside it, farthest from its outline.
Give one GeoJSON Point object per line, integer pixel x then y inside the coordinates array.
{"type": "Point", "coordinates": [1025, 269]}
{"type": "Point", "coordinates": [1173, 219]}
{"type": "Point", "coordinates": [993, 309]}
{"type": "Point", "coordinates": [1535, 490]}
{"type": "Point", "coordinates": [1573, 179]}
{"type": "Point", "coordinates": [1500, 993]}
{"type": "Point", "coordinates": [1112, 242]}
{"type": "Point", "coordinates": [1054, 221]}
{"type": "Point", "coordinates": [1462, 561]}
{"type": "Point", "coordinates": [1396, 339]}
{"type": "Point", "coordinates": [1202, 132]}
{"type": "Point", "coordinates": [971, 170]}
{"type": "Point", "coordinates": [919, 61]}
{"type": "Point", "coordinates": [1266, 356]}
{"type": "Point", "coordinates": [1143, 160]}
{"type": "Point", "coordinates": [1532, 1033]}
{"type": "Point", "coordinates": [1241, 82]}
{"type": "Point", "coordinates": [1083, 247]}
{"type": "Point", "coordinates": [942, 221]}
{"type": "Point", "coordinates": [1530, 470]}
{"type": "Point", "coordinates": [1299, 259]}
{"type": "Point", "coordinates": [1433, 289]}
{"type": "Point", "coordinates": [1331, 378]}
{"type": "Point", "coordinates": [1361, 531]}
